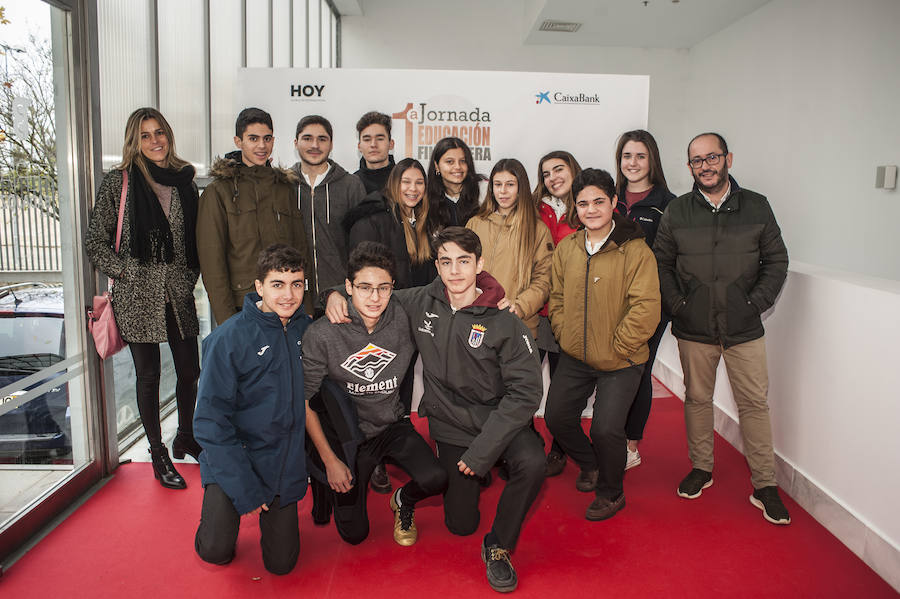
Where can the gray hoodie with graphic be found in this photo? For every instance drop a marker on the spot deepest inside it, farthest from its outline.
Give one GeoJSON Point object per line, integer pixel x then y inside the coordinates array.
{"type": "Point", "coordinates": [323, 211]}
{"type": "Point", "coordinates": [368, 366]}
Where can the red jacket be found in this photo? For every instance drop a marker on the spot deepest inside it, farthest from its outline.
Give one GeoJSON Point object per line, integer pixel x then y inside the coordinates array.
{"type": "Point", "coordinates": [559, 228]}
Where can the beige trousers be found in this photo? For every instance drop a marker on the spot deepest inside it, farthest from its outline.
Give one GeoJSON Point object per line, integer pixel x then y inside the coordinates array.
{"type": "Point", "coordinates": [747, 371]}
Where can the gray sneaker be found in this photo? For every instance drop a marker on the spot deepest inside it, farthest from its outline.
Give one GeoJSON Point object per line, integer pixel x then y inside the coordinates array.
{"type": "Point", "coordinates": [768, 500]}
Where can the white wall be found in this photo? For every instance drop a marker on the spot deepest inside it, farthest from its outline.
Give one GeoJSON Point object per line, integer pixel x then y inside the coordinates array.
{"type": "Point", "coordinates": [806, 93]}
{"type": "Point", "coordinates": [475, 35]}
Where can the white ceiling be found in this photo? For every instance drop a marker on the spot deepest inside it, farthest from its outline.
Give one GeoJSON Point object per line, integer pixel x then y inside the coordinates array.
{"type": "Point", "coordinates": [624, 23]}
{"type": "Point", "coordinates": [659, 24]}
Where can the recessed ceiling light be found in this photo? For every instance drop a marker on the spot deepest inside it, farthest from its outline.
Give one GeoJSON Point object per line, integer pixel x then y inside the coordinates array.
{"type": "Point", "coordinates": [561, 26]}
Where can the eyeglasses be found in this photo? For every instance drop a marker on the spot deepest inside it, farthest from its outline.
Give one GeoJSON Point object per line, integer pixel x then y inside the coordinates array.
{"type": "Point", "coordinates": [381, 290]}
{"type": "Point", "coordinates": [711, 160]}
{"type": "Point", "coordinates": [596, 203]}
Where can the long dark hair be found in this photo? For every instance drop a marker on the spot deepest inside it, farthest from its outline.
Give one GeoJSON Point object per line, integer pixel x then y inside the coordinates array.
{"type": "Point", "coordinates": [657, 178]}
{"type": "Point", "coordinates": [417, 242]}
{"type": "Point", "coordinates": [468, 195]}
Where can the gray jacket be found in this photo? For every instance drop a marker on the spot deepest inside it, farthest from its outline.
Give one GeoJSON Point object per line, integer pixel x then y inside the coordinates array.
{"type": "Point", "coordinates": [369, 367]}
{"type": "Point", "coordinates": [323, 211]}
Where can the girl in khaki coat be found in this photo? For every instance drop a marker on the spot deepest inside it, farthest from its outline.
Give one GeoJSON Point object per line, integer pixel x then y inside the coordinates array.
{"type": "Point", "coordinates": [516, 245]}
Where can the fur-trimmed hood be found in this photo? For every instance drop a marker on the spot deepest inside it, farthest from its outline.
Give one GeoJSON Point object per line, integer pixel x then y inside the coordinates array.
{"type": "Point", "coordinates": [231, 167]}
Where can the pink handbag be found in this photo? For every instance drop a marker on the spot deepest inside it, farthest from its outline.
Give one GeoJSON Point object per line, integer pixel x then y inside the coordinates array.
{"type": "Point", "coordinates": [101, 321]}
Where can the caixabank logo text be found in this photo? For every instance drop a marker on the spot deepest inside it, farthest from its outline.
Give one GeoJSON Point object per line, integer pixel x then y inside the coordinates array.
{"type": "Point", "coordinates": [549, 97]}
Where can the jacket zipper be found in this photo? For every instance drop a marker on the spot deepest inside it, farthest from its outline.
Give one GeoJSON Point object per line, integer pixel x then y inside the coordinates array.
{"type": "Point", "coordinates": [587, 276]}
{"type": "Point", "coordinates": [312, 224]}
{"type": "Point", "coordinates": [293, 416]}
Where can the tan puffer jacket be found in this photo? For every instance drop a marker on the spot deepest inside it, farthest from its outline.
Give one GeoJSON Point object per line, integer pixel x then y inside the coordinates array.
{"type": "Point", "coordinates": [603, 308]}
{"type": "Point", "coordinates": [499, 250]}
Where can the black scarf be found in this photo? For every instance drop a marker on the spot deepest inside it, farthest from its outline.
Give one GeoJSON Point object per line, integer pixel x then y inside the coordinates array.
{"type": "Point", "coordinates": [151, 237]}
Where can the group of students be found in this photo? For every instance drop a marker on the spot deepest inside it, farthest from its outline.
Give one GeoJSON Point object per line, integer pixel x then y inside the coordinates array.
{"type": "Point", "coordinates": [480, 277]}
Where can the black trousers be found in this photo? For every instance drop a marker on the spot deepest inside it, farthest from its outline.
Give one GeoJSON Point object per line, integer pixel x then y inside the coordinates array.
{"type": "Point", "coordinates": [605, 449]}
{"type": "Point", "coordinates": [640, 409]}
{"type": "Point", "coordinates": [399, 444]}
{"type": "Point", "coordinates": [147, 368]}
{"type": "Point", "coordinates": [552, 362]}
{"type": "Point", "coordinates": [218, 531]}
{"type": "Point", "coordinates": [524, 461]}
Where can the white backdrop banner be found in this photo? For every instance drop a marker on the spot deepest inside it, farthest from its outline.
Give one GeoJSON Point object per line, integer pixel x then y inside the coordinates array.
{"type": "Point", "coordinates": [498, 114]}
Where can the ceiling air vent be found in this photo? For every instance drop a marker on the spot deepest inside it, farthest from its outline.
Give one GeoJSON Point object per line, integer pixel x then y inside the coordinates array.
{"type": "Point", "coordinates": [561, 26]}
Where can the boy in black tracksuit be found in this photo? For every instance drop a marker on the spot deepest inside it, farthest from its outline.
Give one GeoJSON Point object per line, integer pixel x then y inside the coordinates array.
{"type": "Point", "coordinates": [482, 387]}
{"type": "Point", "coordinates": [365, 362]}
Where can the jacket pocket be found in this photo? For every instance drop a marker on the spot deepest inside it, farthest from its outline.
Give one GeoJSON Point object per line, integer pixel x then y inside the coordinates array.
{"type": "Point", "coordinates": [742, 315]}
{"type": "Point", "coordinates": [693, 317]}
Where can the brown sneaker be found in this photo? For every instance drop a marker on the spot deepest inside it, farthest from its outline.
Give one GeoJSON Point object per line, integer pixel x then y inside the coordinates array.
{"type": "Point", "coordinates": [556, 463]}
{"type": "Point", "coordinates": [405, 532]}
{"type": "Point", "coordinates": [587, 480]}
{"type": "Point", "coordinates": [379, 480]}
{"type": "Point", "coordinates": [602, 508]}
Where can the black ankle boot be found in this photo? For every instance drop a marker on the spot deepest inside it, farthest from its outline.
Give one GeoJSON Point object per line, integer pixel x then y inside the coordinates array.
{"type": "Point", "coordinates": [185, 443]}
{"type": "Point", "coordinates": [163, 469]}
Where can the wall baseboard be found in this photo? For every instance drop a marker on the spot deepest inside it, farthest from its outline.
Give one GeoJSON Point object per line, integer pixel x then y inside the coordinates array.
{"type": "Point", "coordinates": [863, 540]}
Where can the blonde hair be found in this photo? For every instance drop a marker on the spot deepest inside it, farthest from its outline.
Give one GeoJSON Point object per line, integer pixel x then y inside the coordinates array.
{"type": "Point", "coordinates": [524, 217]}
{"type": "Point", "coordinates": [131, 150]}
{"type": "Point", "coordinates": [417, 241]}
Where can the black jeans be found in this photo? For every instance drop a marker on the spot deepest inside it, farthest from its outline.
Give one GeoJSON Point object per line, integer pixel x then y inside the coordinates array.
{"type": "Point", "coordinates": [219, 524]}
{"type": "Point", "coordinates": [524, 460]}
{"type": "Point", "coordinates": [640, 409]}
{"type": "Point", "coordinates": [566, 400]}
{"type": "Point", "coordinates": [186, 357]}
{"type": "Point", "coordinates": [552, 362]}
{"type": "Point", "coordinates": [399, 444]}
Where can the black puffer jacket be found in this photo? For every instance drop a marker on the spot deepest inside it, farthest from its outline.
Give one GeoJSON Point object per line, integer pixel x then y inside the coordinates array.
{"type": "Point", "coordinates": [648, 212]}
{"type": "Point", "coordinates": [373, 220]}
{"type": "Point", "coordinates": [719, 269]}
{"type": "Point", "coordinates": [481, 370]}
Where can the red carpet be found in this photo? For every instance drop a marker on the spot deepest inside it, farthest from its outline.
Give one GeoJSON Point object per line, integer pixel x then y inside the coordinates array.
{"type": "Point", "coordinates": [134, 539]}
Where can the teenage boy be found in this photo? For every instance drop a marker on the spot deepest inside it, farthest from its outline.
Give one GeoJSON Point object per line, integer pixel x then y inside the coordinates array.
{"type": "Point", "coordinates": [368, 359]}
{"type": "Point", "coordinates": [327, 193]}
{"type": "Point", "coordinates": [482, 387]}
{"type": "Point", "coordinates": [722, 263]}
{"type": "Point", "coordinates": [250, 418]}
{"type": "Point", "coordinates": [375, 145]}
{"type": "Point", "coordinates": [248, 206]}
{"type": "Point", "coordinates": [605, 263]}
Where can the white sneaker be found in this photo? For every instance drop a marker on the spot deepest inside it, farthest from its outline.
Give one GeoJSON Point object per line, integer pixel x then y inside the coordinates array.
{"type": "Point", "coordinates": [632, 459]}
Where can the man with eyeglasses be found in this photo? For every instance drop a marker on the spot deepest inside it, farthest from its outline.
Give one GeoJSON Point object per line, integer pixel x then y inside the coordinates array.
{"type": "Point", "coordinates": [357, 416]}
{"type": "Point", "coordinates": [722, 262]}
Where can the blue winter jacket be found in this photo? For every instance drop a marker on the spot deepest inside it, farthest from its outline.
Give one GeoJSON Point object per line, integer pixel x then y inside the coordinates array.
{"type": "Point", "coordinates": [251, 416]}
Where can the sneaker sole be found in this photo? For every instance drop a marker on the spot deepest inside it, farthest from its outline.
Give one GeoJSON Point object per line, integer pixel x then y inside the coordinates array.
{"type": "Point", "coordinates": [698, 493]}
{"type": "Point", "coordinates": [632, 463]}
{"type": "Point", "coordinates": [760, 505]}
{"type": "Point", "coordinates": [500, 589]}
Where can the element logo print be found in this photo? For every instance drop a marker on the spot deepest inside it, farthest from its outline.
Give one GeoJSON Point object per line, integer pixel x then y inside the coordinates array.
{"type": "Point", "coordinates": [368, 362]}
{"type": "Point", "coordinates": [476, 335]}
{"type": "Point", "coordinates": [542, 97]}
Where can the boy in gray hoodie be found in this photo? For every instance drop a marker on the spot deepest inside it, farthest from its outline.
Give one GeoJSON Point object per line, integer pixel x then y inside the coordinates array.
{"type": "Point", "coordinates": [327, 193]}
{"type": "Point", "coordinates": [365, 360]}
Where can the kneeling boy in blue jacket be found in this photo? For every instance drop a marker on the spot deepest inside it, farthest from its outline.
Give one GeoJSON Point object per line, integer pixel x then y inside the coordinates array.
{"type": "Point", "coordinates": [250, 418]}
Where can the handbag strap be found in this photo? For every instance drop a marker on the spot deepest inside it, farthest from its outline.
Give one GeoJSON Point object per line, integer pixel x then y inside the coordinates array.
{"type": "Point", "coordinates": [121, 209]}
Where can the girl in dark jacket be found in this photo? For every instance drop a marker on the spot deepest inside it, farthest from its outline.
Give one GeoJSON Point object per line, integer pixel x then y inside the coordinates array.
{"type": "Point", "coordinates": [453, 185]}
{"type": "Point", "coordinates": [398, 218]}
{"type": "Point", "coordinates": [643, 196]}
{"type": "Point", "coordinates": [155, 271]}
